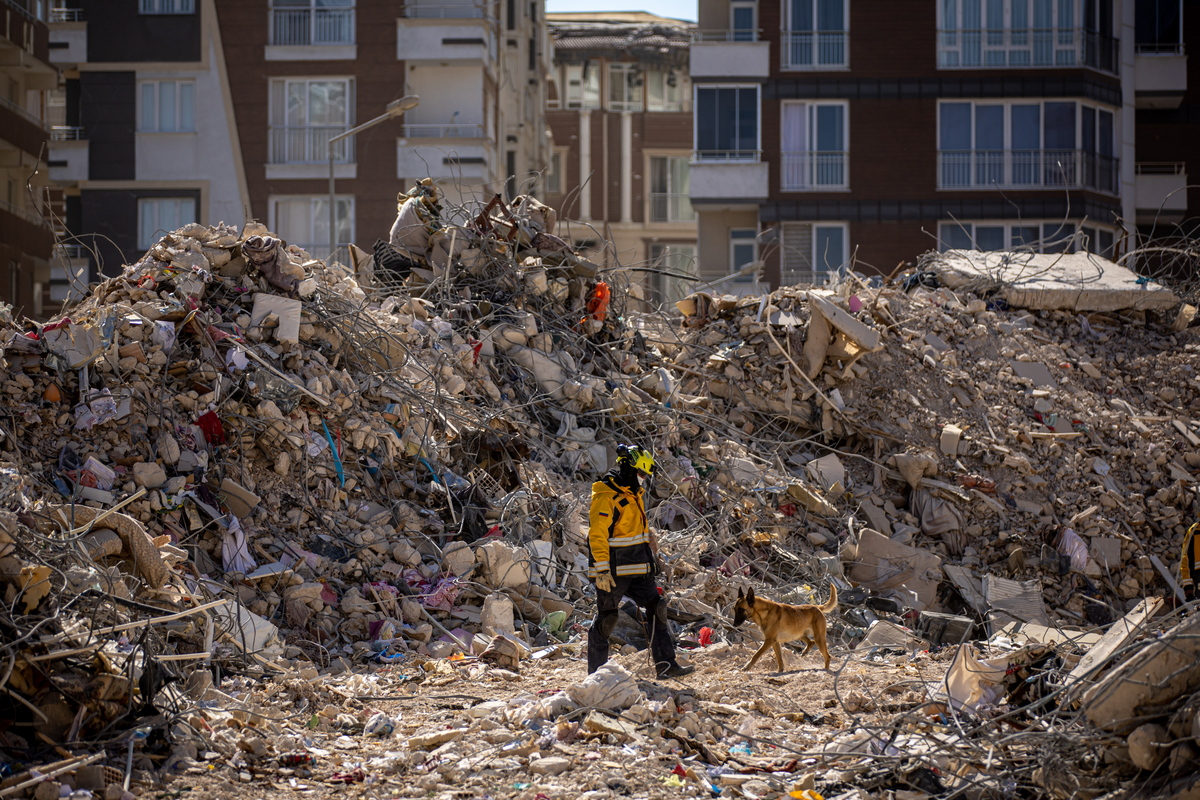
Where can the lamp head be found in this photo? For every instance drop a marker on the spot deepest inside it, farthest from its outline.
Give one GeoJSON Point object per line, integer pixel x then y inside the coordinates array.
{"type": "Point", "coordinates": [406, 103]}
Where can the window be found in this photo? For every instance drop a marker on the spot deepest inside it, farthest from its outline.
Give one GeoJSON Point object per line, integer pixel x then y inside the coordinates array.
{"type": "Point", "coordinates": [1028, 235]}
{"type": "Point", "coordinates": [1159, 26]}
{"type": "Point", "coordinates": [160, 215]}
{"type": "Point", "coordinates": [669, 191]}
{"type": "Point", "coordinates": [1026, 145]}
{"type": "Point", "coordinates": [815, 144]}
{"type": "Point", "coordinates": [166, 6]}
{"type": "Point", "coordinates": [624, 87]}
{"type": "Point", "coordinates": [726, 120]}
{"type": "Point", "coordinates": [305, 114]}
{"type": "Point", "coordinates": [167, 106]}
{"type": "Point", "coordinates": [665, 91]}
{"type": "Point", "coordinates": [555, 175]}
{"type": "Point", "coordinates": [1026, 33]}
{"type": "Point", "coordinates": [675, 262]}
{"type": "Point", "coordinates": [304, 221]}
{"type": "Point", "coordinates": [743, 249]}
{"type": "Point", "coordinates": [743, 21]}
{"type": "Point", "coordinates": [811, 251]}
{"type": "Point", "coordinates": [312, 22]}
{"type": "Point", "coordinates": [583, 86]}
{"type": "Point", "coordinates": [815, 35]}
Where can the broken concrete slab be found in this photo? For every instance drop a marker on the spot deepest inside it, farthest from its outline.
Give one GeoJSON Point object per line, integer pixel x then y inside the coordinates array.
{"type": "Point", "coordinates": [881, 563]}
{"type": "Point", "coordinates": [858, 332]}
{"type": "Point", "coordinates": [1069, 281]}
{"type": "Point", "coordinates": [1167, 668]}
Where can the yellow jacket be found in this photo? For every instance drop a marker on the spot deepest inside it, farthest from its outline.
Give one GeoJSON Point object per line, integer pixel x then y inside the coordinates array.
{"type": "Point", "coordinates": [619, 536]}
{"type": "Point", "coordinates": [1189, 561]}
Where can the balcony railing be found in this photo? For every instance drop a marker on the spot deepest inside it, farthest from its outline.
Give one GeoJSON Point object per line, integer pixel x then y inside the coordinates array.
{"type": "Point", "coordinates": [744, 35]}
{"type": "Point", "coordinates": [724, 156]}
{"type": "Point", "coordinates": [813, 171]}
{"type": "Point", "coordinates": [312, 26]}
{"type": "Point", "coordinates": [32, 217]}
{"type": "Point", "coordinates": [1160, 168]}
{"type": "Point", "coordinates": [1015, 48]}
{"type": "Point", "coordinates": [1158, 48]}
{"type": "Point", "coordinates": [1027, 169]}
{"type": "Point", "coordinates": [66, 15]}
{"type": "Point", "coordinates": [431, 9]}
{"type": "Point", "coordinates": [307, 144]}
{"type": "Point", "coordinates": [814, 50]}
{"type": "Point", "coordinates": [20, 112]}
{"type": "Point", "coordinates": [671, 207]}
{"type": "Point", "coordinates": [67, 133]}
{"type": "Point", "coordinates": [428, 131]}
{"type": "Point", "coordinates": [65, 252]}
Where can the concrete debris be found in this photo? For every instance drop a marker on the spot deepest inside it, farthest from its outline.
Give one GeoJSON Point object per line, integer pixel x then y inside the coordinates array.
{"type": "Point", "coordinates": [270, 519]}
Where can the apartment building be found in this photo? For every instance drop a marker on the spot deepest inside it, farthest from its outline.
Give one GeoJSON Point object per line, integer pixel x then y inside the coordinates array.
{"type": "Point", "coordinates": [221, 110]}
{"type": "Point", "coordinates": [143, 138]}
{"type": "Point", "coordinates": [867, 131]}
{"type": "Point", "coordinates": [620, 112]}
{"type": "Point", "coordinates": [26, 76]}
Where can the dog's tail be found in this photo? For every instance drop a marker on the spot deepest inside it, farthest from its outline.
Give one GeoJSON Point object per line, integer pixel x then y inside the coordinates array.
{"type": "Point", "coordinates": [831, 604]}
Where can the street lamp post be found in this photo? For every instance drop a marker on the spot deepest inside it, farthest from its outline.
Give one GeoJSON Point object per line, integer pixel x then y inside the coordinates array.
{"type": "Point", "coordinates": [394, 109]}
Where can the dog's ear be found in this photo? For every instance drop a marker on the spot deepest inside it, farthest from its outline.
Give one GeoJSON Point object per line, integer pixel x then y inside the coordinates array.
{"type": "Point", "coordinates": [740, 593]}
{"type": "Point", "coordinates": [750, 596]}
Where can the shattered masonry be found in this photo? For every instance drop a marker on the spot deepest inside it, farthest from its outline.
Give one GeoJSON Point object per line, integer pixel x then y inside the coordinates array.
{"type": "Point", "coordinates": [336, 483]}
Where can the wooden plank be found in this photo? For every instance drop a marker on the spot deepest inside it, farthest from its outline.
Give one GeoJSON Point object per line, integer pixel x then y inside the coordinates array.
{"type": "Point", "coordinates": [1186, 433]}
{"type": "Point", "coordinates": [1168, 577]}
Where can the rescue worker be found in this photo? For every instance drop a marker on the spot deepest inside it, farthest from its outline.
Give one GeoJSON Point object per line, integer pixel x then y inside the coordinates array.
{"type": "Point", "coordinates": [623, 554]}
{"type": "Point", "coordinates": [1189, 563]}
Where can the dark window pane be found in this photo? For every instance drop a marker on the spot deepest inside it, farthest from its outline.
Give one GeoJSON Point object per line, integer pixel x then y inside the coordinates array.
{"type": "Point", "coordinates": [956, 126]}
{"type": "Point", "coordinates": [1060, 126]}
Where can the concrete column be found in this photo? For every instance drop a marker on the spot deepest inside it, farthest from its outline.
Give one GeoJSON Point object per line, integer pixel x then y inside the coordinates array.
{"type": "Point", "coordinates": [626, 166]}
{"type": "Point", "coordinates": [585, 165]}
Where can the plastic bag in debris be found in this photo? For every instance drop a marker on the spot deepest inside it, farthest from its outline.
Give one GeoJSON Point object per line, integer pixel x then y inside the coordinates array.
{"type": "Point", "coordinates": [610, 687]}
{"type": "Point", "coordinates": [235, 549]}
{"type": "Point", "coordinates": [549, 707]}
{"type": "Point", "coordinates": [1070, 544]}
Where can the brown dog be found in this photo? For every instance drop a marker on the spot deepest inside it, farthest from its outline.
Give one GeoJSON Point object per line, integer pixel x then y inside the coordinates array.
{"type": "Point", "coordinates": [780, 622]}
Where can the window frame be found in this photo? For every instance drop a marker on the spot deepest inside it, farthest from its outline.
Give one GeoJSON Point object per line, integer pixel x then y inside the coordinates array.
{"type": "Point", "coordinates": [734, 242]}
{"type": "Point", "coordinates": [733, 156]}
{"type": "Point", "coordinates": [146, 237]}
{"type": "Point", "coordinates": [317, 152]}
{"type": "Point", "coordinates": [1085, 157]}
{"type": "Point", "coordinates": [634, 83]}
{"type": "Point", "coordinates": [737, 34]}
{"type": "Point", "coordinates": [788, 44]}
{"type": "Point", "coordinates": [809, 166]}
{"type": "Point", "coordinates": [680, 89]}
{"type": "Point", "coordinates": [1062, 241]}
{"type": "Point", "coordinates": [1064, 37]}
{"type": "Point", "coordinates": [672, 191]}
{"type": "Point", "coordinates": [158, 83]}
{"type": "Point", "coordinates": [664, 286]}
{"type": "Point", "coordinates": [317, 215]}
{"type": "Point", "coordinates": [555, 179]}
{"type": "Point", "coordinates": [815, 257]}
{"type": "Point", "coordinates": [312, 11]}
{"type": "Point", "coordinates": [585, 101]}
{"type": "Point", "coordinates": [166, 7]}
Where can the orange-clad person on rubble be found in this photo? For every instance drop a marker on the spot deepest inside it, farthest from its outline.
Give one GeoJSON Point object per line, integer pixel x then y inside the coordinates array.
{"type": "Point", "coordinates": [622, 558]}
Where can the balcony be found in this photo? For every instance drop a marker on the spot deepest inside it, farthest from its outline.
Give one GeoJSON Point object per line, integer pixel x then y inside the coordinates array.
{"type": "Point", "coordinates": [1160, 75]}
{"type": "Point", "coordinates": [442, 9]}
{"type": "Point", "coordinates": [728, 179]}
{"type": "Point", "coordinates": [1022, 48]}
{"type": "Point", "coordinates": [814, 51]}
{"type": "Point", "coordinates": [69, 154]}
{"type": "Point", "coordinates": [20, 128]}
{"type": "Point", "coordinates": [1027, 169]}
{"type": "Point", "coordinates": [62, 15]}
{"type": "Point", "coordinates": [68, 36]}
{"type": "Point", "coordinates": [457, 160]}
{"type": "Point", "coordinates": [671, 207]}
{"type": "Point", "coordinates": [729, 54]}
{"type": "Point", "coordinates": [428, 131]}
{"type": "Point", "coordinates": [301, 151]}
{"type": "Point", "coordinates": [448, 39]}
{"type": "Point", "coordinates": [1161, 192]}
{"type": "Point", "coordinates": [307, 34]}
{"type": "Point", "coordinates": [813, 171]}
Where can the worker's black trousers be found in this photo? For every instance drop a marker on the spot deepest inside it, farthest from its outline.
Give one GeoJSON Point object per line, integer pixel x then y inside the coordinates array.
{"type": "Point", "coordinates": [642, 590]}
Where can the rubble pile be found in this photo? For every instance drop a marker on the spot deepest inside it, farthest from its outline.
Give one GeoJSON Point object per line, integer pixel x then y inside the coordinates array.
{"type": "Point", "coordinates": [238, 477]}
